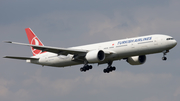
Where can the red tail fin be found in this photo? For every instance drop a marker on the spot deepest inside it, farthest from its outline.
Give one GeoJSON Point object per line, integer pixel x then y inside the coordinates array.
{"type": "Point", "coordinates": [33, 39]}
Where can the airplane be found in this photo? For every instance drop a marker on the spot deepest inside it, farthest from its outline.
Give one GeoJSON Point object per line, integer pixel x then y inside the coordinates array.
{"type": "Point", "coordinates": [133, 50]}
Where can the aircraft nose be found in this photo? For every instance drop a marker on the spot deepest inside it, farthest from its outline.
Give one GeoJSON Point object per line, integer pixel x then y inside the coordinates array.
{"type": "Point", "coordinates": [174, 43]}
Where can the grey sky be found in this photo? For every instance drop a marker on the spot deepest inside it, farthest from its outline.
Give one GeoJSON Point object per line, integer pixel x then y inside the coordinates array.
{"type": "Point", "coordinates": [66, 23]}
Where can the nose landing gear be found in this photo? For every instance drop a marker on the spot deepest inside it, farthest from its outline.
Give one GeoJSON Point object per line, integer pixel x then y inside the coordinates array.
{"type": "Point", "coordinates": [164, 55]}
{"type": "Point", "coordinates": [164, 58]}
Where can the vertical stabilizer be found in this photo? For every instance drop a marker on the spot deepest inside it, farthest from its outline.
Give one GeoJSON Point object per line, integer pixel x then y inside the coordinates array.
{"type": "Point", "coordinates": [34, 40]}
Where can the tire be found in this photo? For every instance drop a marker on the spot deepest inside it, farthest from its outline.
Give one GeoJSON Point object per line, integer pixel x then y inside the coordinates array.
{"type": "Point", "coordinates": [114, 68]}
{"type": "Point", "coordinates": [105, 70]}
{"type": "Point", "coordinates": [164, 58]}
{"type": "Point", "coordinates": [82, 69]}
{"type": "Point", "coordinates": [90, 67]}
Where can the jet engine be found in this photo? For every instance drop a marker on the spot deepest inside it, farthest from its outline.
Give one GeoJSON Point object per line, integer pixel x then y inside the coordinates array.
{"type": "Point", "coordinates": [137, 60]}
{"type": "Point", "coordinates": [95, 56]}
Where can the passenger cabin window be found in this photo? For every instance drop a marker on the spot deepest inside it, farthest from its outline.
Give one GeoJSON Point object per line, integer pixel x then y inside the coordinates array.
{"type": "Point", "coordinates": [170, 39]}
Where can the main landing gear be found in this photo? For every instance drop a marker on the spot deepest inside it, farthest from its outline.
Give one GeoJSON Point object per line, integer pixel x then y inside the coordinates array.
{"type": "Point", "coordinates": [86, 67]}
{"type": "Point", "coordinates": [164, 55]}
{"type": "Point", "coordinates": [109, 68]}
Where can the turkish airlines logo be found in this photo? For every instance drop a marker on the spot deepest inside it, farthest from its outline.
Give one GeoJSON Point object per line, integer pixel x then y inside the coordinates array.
{"type": "Point", "coordinates": [35, 41]}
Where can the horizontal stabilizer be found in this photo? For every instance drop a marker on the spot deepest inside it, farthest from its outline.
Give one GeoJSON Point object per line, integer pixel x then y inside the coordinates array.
{"type": "Point", "coordinates": [21, 58]}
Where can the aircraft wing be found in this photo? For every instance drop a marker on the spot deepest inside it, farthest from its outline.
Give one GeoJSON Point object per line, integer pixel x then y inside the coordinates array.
{"type": "Point", "coordinates": [59, 51]}
{"type": "Point", "coordinates": [21, 58]}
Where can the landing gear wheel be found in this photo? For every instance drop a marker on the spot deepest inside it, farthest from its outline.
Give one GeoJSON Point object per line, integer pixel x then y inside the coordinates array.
{"type": "Point", "coordinates": [164, 58]}
{"type": "Point", "coordinates": [90, 67]}
{"type": "Point", "coordinates": [86, 68]}
{"type": "Point", "coordinates": [164, 55]}
{"type": "Point", "coordinates": [109, 69]}
{"type": "Point", "coordinates": [82, 69]}
{"type": "Point", "coordinates": [105, 70]}
{"type": "Point", "coordinates": [114, 68]}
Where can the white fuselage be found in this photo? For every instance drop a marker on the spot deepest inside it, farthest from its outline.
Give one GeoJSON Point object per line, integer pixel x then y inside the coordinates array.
{"type": "Point", "coordinates": [117, 50]}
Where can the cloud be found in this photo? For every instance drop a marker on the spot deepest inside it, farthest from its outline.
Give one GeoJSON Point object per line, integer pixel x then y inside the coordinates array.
{"type": "Point", "coordinates": [118, 26]}
{"type": "Point", "coordinates": [4, 90]}
{"type": "Point", "coordinates": [155, 99]}
{"type": "Point", "coordinates": [41, 85]}
{"type": "Point", "coordinates": [71, 23]}
{"type": "Point", "coordinates": [127, 79]}
{"type": "Point", "coordinates": [7, 94]}
{"type": "Point", "coordinates": [177, 92]}
{"type": "Point", "coordinates": [64, 87]}
{"type": "Point", "coordinates": [56, 87]}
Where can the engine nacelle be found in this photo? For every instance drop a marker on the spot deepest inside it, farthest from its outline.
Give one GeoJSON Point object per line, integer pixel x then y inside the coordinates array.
{"type": "Point", "coordinates": [137, 60]}
{"type": "Point", "coordinates": [95, 56]}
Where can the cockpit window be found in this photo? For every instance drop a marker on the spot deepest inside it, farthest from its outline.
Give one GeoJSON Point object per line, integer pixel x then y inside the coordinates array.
{"type": "Point", "coordinates": [170, 39]}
